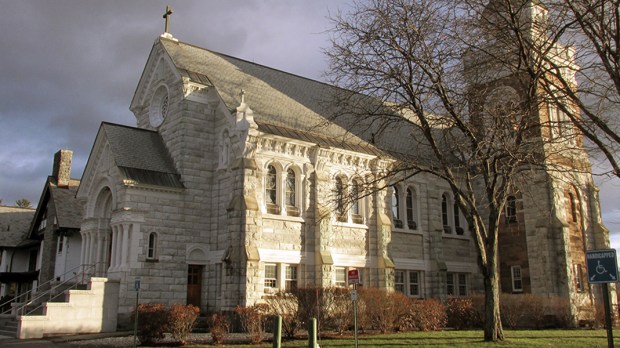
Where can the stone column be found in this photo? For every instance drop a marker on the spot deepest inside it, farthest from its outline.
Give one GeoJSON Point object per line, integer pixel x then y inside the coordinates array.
{"type": "Point", "coordinates": [113, 262]}
{"type": "Point", "coordinates": [127, 228]}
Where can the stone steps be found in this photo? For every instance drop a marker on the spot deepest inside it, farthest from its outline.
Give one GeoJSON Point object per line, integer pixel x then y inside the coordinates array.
{"type": "Point", "coordinates": [8, 327]}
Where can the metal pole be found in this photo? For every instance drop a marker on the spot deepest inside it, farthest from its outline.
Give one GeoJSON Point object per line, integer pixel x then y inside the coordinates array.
{"type": "Point", "coordinates": [606, 302]}
{"type": "Point", "coordinates": [355, 313]}
{"type": "Point", "coordinates": [135, 322]}
{"type": "Point", "coordinates": [277, 332]}
{"type": "Point", "coordinates": [312, 333]}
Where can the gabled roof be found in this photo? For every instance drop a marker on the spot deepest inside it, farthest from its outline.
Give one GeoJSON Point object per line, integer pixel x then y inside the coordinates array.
{"type": "Point", "coordinates": [14, 225]}
{"type": "Point", "coordinates": [68, 208]}
{"type": "Point", "coordinates": [140, 155]}
{"type": "Point", "coordinates": [280, 101]}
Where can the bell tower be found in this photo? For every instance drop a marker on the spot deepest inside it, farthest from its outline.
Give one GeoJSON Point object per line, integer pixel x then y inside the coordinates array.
{"type": "Point", "coordinates": [552, 216]}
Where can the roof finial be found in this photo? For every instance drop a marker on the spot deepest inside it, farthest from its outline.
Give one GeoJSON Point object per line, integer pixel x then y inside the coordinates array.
{"type": "Point", "coordinates": [242, 95]}
{"type": "Point", "coordinates": [167, 16]}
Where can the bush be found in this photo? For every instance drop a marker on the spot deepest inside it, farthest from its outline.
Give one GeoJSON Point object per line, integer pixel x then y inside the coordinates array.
{"type": "Point", "coordinates": [341, 311]}
{"type": "Point", "coordinates": [152, 322]}
{"type": "Point", "coordinates": [220, 325]}
{"type": "Point", "coordinates": [285, 305]}
{"type": "Point", "coordinates": [425, 315]}
{"type": "Point", "coordinates": [252, 320]}
{"type": "Point", "coordinates": [319, 303]}
{"type": "Point", "coordinates": [181, 320]}
{"type": "Point", "coordinates": [513, 309]}
{"type": "Point", "coordinates": [461, 313]}
{"type": "Point", "coordinates": [383, 307]}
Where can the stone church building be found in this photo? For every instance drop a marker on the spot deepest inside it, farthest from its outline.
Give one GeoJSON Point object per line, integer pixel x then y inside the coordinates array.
{"type": "Point", "coordinates": [232, 186]}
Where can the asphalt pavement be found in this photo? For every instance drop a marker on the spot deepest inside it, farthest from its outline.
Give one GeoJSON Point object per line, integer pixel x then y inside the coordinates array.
{"type": "Point", "coordinates": [10, 342]}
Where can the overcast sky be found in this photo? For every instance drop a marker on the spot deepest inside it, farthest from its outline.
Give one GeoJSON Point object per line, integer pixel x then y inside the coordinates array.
{"type": "Point", "coordinates": [66, 66]}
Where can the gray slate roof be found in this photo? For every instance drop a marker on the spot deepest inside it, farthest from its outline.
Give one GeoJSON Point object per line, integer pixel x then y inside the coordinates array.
{"type": "Point", "coordinates": [14, 225]}
{"type": "Point", "coordinates": [283, 103]}
{"type": "Point", "coordinates": [68, 208]}
{"type": "Point", "coordinates": [141, 155]}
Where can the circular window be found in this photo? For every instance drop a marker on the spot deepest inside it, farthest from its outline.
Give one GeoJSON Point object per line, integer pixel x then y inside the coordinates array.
{"type": "Point", "coordinates": [159, 106]}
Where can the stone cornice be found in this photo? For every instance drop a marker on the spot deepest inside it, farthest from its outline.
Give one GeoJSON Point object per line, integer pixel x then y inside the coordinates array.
{"type": "Point", "coordinates": [283, 146]}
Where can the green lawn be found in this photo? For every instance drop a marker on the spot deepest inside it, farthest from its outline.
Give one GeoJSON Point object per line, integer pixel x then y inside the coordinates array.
{"type": "Point", "coordinates": [469, 339]}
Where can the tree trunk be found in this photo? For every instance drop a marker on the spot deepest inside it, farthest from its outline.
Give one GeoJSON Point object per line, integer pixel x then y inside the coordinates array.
{"type": "Point", "coordinates": [493, 330]}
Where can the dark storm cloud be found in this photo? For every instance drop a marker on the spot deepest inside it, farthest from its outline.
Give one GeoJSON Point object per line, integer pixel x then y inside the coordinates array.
{"type": "Point", "coordinates": [66, 66]}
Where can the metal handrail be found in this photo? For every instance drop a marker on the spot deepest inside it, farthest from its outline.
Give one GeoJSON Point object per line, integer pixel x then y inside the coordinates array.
{"type": "Point", "coordinates": [48, 292]}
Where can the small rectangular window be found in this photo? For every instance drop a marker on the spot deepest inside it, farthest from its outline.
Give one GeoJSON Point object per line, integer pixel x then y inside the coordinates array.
{"type": "Point", "coordinates": [456, 284]}
{"type": "Point", "coordinates": [399, 281]}
{"type": "Point", "coordinates": [291, 278]}
{"type": "Point", "coordinates": [450, 284]}
{"type": "Point", "coordinates": [271, 276]}
{"type": "Point", "coordinates": [414, 283]}
{"type": "Point", "coordinates": [462, 284]}
{"type": "Point", "coordinates": [341, 277]}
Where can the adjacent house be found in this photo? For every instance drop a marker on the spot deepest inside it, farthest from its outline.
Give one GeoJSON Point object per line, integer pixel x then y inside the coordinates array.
{"type": "Point", "coordinates": [56, 225]}
{"type": "Point", "coordinates": [18, 254]}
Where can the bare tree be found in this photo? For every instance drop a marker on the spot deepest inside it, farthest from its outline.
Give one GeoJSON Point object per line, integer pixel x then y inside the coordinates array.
{"type": "Point", "coordinates": [23, 203]}
{"type": "Point", "coordinates": [465, 88]}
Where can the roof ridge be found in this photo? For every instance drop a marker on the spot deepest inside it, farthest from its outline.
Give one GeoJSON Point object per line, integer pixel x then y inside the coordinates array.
{"type": "Point", "coordinates": [250, 62]}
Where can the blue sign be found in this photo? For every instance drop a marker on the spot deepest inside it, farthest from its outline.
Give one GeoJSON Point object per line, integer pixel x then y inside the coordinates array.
{"type": "Point", "coordinates": [136, 284]}
{"type": "Point", "coordinates": [602, 266]}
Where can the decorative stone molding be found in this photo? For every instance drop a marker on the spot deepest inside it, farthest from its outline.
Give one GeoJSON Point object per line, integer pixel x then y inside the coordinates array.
{"type": "Point", "coordinates": [127, 215]}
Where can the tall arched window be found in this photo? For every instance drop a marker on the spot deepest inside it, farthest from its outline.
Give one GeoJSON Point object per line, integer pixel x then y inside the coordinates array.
{"type": "Point", "coordinates": [411, 209]}
{"type": "Point", "coordinates": [290, 188]}
{"type": "Point", "coordinates": [290, 194]}
{"type": "Point", "coordinates": [356, 203]}
{"type": "Point", "coordinates": [457, 219]}
{"type": "Point", "coordinates": [271, 190]}
{"type": "Point", "coordinates": [511, 210]}
{"type": "Point", "coordinates": [340, 199]}
{"type": "Point", "coordinates": [445, 215]}
{"type": "Point", "coordinates": [396, 207]}
{"type": "Point", "coordinates": [573, 206]}
{"type": "Point", "coordinates": [151, 252]}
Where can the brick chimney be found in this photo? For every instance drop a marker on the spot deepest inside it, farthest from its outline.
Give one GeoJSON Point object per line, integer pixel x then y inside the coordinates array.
{"type": "Point", "coordinates": [62, 167]}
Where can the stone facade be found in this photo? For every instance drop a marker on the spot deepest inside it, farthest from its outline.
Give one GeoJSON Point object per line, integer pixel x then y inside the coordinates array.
{"type": "Point", "coordinates": [239, 203]}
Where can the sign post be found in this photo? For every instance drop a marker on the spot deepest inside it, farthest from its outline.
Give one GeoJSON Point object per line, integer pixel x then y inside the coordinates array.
{"type": "Point", "coordinates": [603, 269]}
{"type": "Point", "coordinates": [136, 286]}
{"type": "Point", "coordinates": [353, 277]}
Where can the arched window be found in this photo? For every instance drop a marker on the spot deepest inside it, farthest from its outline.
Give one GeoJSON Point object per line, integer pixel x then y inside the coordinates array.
{"type": "Point", "coordinates": [290, 188]}
{"type": "Point", "coordinates": [573, 206]}
{"type": "Point", "coordinates": [290, 194]}
{"type": "Point", "coordinates": [151, 252]}
{"type": "Point", "coordinates": [271, 190]}
{"type": "Point", "coordinates": [457, 219]}
{"type": "Point", "coordinates": [445, 215]}
{"type": "Point", "coordinates": [356, 203]}
{"type": "Point", "coordinates": [411, 209]}
{"type": "Point", "coordinates": [511, 210]}
{"type": "Point", "coordinates": [398, 223]}
{"type": "Point", "coordinates": [340, 200]}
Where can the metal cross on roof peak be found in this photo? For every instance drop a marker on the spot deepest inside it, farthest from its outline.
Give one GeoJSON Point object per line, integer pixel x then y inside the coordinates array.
{"type": "Point", "coordinates": [166, 17]}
